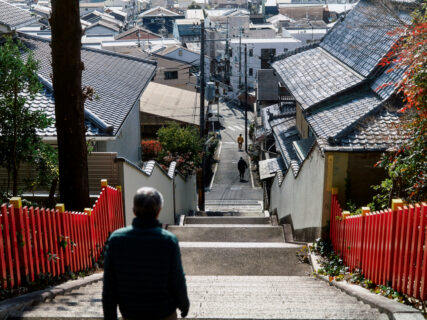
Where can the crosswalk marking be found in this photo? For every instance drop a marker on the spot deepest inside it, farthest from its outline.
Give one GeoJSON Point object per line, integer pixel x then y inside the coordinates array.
{"type": "Point", "coordinates": [231, 128]}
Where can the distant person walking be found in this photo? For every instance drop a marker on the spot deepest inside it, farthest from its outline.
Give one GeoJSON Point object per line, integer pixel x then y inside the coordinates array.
{"type": "Point", "coordinates": [143, 273]}
{"type": "Point", "coordinates": [240, 141]}
{"type": "Point", "coordinates": [242, 165]}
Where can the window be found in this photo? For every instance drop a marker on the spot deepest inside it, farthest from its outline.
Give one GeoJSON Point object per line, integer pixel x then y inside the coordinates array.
{"type": "Point", "coordinates": [180, 52]}
{"type": "Point", "coordinates": [231, 53]}
{"type": "Point", "coordinates": [170, 75]}
{"type": "Point", "coordinates": [251, 52]}
{"type": "Point", "coordinates": [251, 72]}
{"type": "Point", "coordinates": [285, 49]}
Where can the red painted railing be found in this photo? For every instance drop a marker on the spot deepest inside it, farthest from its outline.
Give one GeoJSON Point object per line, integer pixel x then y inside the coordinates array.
{"type": "Point", "coordinates": [38, 241]}
{"type": "Point", "coordinates": [389, 247]}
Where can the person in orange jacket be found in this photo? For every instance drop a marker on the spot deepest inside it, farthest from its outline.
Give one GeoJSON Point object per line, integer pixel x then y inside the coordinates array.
{"type": "Point", "coordinates": [240, 141]}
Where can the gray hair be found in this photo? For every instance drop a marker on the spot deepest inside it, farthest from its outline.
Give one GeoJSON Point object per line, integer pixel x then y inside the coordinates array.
{"type": "Point", "coordinates": [147, 202]}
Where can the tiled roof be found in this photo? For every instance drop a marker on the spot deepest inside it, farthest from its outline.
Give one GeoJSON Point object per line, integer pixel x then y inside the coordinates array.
{"type": "Point", "coordinates": [274, 114]}
{"type": "Point", "coordinates": [118, 80]}
{"type": "Point", "coordinates": [314, 75]}
{"type": "Point", "coordinates": [268, 168]}
{"type": "Point", "coordinates": [285, 133]}
{"type": "Point", "coordinates": [376, 133]}
{"type": "Point", "coordinates": [364, 37]}
{"type": "Point", "coordinates": [14, 17]}
{"type": "Point", "coordinates": [45, 102]}
{"type": "Point", "coordinates": [387, 83]}
{"type": "Point", "coordinates": [330, 121]}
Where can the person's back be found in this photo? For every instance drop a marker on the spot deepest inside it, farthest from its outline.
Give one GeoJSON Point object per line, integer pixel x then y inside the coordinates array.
{"type": "Point", "coordinates": [143, 273]}
{"type": "Point", "coordinates": [242, 165]}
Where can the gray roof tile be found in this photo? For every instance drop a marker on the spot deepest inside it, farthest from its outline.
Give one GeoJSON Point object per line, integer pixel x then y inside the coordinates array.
{"type": "Point", "coordinates": [118, 80]}
{"type": "Point", "coordinates": [14, 17]}
{"type": "Point", "coordinates": [388, 82]}
{"type": "Point", "coordinates": [332, 120]}
{"type": "Point", "coordinates": [314, 75]}
{"type": "Point", "coordinates": [364, 37]}
{"type": "Point", "coordinates": [275, 114]}
{"type": "Point", "coordinates": [376, 133]}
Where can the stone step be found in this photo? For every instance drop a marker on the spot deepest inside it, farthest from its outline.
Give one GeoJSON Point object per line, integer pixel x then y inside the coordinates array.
{"type": "Point", "coordinates": [226, 220]}
{"type": "Point", "coordinates": [228, 233]}
{"type": "Point", "coordinates": [242, 261]}
{"type": "Point", "coordinates": [228, 297]}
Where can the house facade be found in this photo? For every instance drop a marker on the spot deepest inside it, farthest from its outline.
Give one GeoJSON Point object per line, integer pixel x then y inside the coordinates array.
{"type": "Point", "coordinates": [342, 120]}
{"type": "Point", "coordinates": [112, 119]}
{"type": "Point", "coordinates": [259, 56]}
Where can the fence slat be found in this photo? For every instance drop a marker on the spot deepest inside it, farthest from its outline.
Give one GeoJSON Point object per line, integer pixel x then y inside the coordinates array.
{"type": "Point", "coordinates": [389, 247]}
{"type": "Point", "coordinates": [2, 250]}
{"type": "Point", "coordinates": [35, 242]}
{"type": "Point", "coordinates": [419, 264]}
{"type": "Point", "coordinates": [412, 249]}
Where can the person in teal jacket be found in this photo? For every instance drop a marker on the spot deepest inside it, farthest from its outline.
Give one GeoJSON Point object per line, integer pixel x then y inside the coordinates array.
{"type": "Point", "coordinates": [143, 272]}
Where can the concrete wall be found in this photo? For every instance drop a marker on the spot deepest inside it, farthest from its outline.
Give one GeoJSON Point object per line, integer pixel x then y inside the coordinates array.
{"type": "Point", "coordinates": [280, 45]}
{"type": "Point", "coordinates": [186, 80]}
{"type": "Point", "coordinates": [185, 195]}
{"type": "Point", "coordinates": [299, 201]}
{"type": "Point", "coordinates": [128, 141]}
{"type": "Point", "coordinates": [133, 178]}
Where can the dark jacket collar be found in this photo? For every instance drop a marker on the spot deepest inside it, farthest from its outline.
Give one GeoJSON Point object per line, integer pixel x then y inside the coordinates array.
{"type": "Point", "coordinates": [139, 222]}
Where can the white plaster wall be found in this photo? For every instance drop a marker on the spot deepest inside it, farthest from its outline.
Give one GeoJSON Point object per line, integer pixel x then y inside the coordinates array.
{"type": "Point", "coordinates": [185, 195]}
{"type": "Point", "coordinates": [302, 198]}
{"type": "Point", "coordinates": [133, 179]}
{"type": "Point", "coordinates": [128, 141]}
{"type": "Point", "coordinates": [254, 61]}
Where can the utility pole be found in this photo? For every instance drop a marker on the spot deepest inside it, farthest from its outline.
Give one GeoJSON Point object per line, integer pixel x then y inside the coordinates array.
{"type": "Point", "coordinates": [240, 58]}
{"type": "Point", "coordinates": [246, 97]}
{"type": "Point", "coordinates": [227, 57]}
{"type": "Point", "coordinates": [202, 112]}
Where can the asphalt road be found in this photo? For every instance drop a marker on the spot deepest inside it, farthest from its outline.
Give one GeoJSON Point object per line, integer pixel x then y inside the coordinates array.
{"type": "Point", "coordinates": [226, 183]}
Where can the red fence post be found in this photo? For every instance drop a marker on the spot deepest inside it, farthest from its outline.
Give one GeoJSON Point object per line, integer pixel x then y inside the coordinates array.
{"type": "Point", "coordinates": [35, 242]}
{"type": "Point", "coordinates": [422, 236]}
{"type": "Point", "coordinates": [395, 242]}
{"type": "Point", "coordinates": [423, 284]}
{"type": "Point", "coordinates": [362, 242]}
{"type": "Point", "coordinates": [19, 234]}
{"type": "Point", "coordinates": [2, 248]}
{"type": "Point", "coordinates": [120, 208]}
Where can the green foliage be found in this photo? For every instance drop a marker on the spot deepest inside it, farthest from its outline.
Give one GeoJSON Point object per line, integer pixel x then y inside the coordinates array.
{"type": "Point", "coordinates": [19, 140]}
{"type": "Point", "coordinates": [180, 144]}
{"type": "Point", "coordinates": [406, 167]}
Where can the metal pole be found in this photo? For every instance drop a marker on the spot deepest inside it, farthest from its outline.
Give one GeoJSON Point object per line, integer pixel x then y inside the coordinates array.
{"type": "Point", "coordinates": [240, 59]}
{"type": "Point", "coordinates": [202, 111]}
{"type": "Point", "coordinates": [246, 97]}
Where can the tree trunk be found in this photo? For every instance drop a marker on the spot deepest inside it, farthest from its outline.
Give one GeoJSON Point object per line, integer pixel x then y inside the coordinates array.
{"type": "Point", "coordinates": [69, 104]}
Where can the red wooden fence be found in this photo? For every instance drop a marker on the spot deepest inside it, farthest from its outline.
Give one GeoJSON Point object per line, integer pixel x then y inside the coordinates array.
{"type": "Point", "coordinates": [389, 247]}
{"type": "Point", "coordinates": [37, 241]}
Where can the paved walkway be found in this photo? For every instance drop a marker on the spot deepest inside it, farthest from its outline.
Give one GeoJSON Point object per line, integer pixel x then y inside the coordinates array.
{"type": "Point", "coordinates": [227, 187]}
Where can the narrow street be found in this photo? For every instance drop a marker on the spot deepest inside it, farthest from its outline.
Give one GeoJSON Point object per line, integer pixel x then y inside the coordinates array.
{"type": "Point", "coordinates": [226, 189]}
{"type": "Point", "coordinates": [237, 262]}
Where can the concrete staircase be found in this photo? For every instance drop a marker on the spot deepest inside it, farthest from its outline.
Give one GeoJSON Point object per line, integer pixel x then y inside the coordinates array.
{"type": "Point", "coordinates": [236, 245]}
{"type": "Point", "coordinates": [237, 267]}
{"type": "Point", "coordinates": [240, 267]}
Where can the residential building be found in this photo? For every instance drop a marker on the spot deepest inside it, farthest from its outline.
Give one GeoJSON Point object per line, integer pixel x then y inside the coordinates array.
{"type": "Point", "coordinates": [260, 53]}
{"type": "Point", "coordinates": [342, 121]}
{"type": "Point", "coordinates": [187, 30]}
{"type": "Point", "coordinates": [159, 18]}
{"type": "Point", "coordinates": [161, 104]}
{"type": "Point", "coordinates": [101, 28]}
{"type": "Point", "coordinates": [137, 33]}
{"type": "Point", "coordinates": [13, 18]}
{"type": "Point", "coordinates": [89, 7]}
{"type": "Point", "coordinates": [112, 119]}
